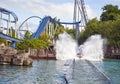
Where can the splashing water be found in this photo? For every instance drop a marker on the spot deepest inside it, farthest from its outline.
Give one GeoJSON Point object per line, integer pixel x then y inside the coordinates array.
{"type": "Point", "coordinates": [93, 48]}
{"type": "Point", "coordinates": [65, 47]}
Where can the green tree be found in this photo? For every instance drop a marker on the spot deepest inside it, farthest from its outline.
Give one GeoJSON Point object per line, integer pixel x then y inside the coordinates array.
{"type": "Point", "coordinates": [44, 36]}
{"type": "Point", "coordinates": [27, 35]}
{"type": "Point", "coordinates": [71, 32]}
{"type": "Point", "coordinates": [91, 28]}
{"type": "Point", "coordinates": [59, 30]}
{"type": "Point", "coordinates": [32, 43]}
{"type": "Point", "coordinates": [110, 12]}
{"type": "Point", "coordinates": [12, 32]}
{"type": "Point", "coordinates": [108, 27]}
{"type": "Point", "coordinates": [2, 40]}
{"type": "Point", "coordinates": [115, 34]}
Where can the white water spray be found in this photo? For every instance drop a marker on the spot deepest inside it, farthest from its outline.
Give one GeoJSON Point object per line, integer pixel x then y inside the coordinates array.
{"type": "Point", "coordinates": [93, 48]}
{"type": "Point", "coordinates": [65, 47]}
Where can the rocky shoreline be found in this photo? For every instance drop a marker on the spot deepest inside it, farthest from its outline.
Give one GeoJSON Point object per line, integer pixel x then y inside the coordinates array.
{"type": "Point", "coordinates": [112, 52]}
{"type": "Point", "coordinates": [10, 56]}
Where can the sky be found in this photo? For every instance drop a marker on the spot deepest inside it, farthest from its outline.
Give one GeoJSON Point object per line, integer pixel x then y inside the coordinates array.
{"type": "Point", "coordinates": [62, 9]}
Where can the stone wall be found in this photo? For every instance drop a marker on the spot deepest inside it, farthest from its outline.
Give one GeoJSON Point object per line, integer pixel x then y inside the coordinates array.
{"type": "Point", "coordinates": [9, 55]}
{"type": "Point", "coordinates": [112, 52]}
{"type": "Point", "coordinates": [22, 59]}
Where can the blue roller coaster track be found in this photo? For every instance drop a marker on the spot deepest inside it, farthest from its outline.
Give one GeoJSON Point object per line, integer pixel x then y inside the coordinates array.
{"type": "Point", "coordinates": [45, 22]}
{"type": "Point", "coordinates": [79, 4]}
{"type": "Point", "coordinates": [41, 26]}
{"type": "Point", "coordinates": [7, 12]}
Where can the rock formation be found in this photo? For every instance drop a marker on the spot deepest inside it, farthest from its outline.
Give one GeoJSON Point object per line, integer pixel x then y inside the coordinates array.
{"type": "Point", "coordinates": [22, 59]}
{"type": "Point", "coordinates": [9, 55]}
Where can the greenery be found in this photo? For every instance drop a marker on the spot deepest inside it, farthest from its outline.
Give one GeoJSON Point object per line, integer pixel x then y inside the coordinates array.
{"type": "Point", "coordinates": [11, 32]}
{"type": "Point", "coordinates": [71, 32]}
{"type": "Point", "coordinates": [59, 30]}
{"type": "Point", "coordinates": [3, 41]}
{"type": "Point", "coordinates": [43, 41]}
{"type": "Point", "coordinates": [108, 26]}
{"type": "Point", "coordinates": [44, 36]}
{"type": "Point", "coordinates": [110, 12]}
{"type": "Point", "coordinates": [27, 35]}
{"type": "Point", "coordinates": [32, 43]}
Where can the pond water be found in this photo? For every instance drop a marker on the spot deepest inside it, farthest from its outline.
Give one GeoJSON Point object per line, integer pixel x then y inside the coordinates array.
{"type": "Point", "coordinates": [53, 72]}
{"type": "Point", "coordinates": [111, 68]}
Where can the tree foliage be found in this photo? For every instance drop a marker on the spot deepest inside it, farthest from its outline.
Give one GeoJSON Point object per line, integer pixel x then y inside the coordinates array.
{"type": "Point", "coordinates": [44, 36]}
{"type": "Point", "coordinates": [108, 28]}
{"type": "Point", "coordinates": [71, 32]}
{"type": "Point", "coordinates": [43, 40]}
{"type": "Point", "coordinates": [27, 35]}
{"type": "Point", "coordinates": [2, 40]}
{"type": "Point", "coordinates": [12, 32]}
{"type": "Point", "coordinates": [91, 28]}
{"type": "Point", "coordinates": [110, 12]}
{"type": "Point", "coordinates": [59, 30]}
{"type": "Point", "coordinates": [32, 43]}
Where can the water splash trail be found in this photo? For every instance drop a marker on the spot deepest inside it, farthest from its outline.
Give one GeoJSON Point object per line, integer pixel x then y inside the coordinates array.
{"type": "Point", "coordinates": [93, 48]}
{"type": "Point", "coordinates": [65, 47]}
{"type": "Point", "coordinates": [66, 50]}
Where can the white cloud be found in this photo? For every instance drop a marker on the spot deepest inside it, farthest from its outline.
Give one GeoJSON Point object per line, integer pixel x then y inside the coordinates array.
{"type": "Point", "coordinates": [63, 11]}
{"type": "Point", "coordinates": [91, 14]}
{"type": "Point", "coordinates": [117, 0]}
{"type": "Point", "coordinates": [3, 5]}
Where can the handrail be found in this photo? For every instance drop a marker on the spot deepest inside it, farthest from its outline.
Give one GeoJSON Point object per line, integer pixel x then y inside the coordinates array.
{"type": "Point", "coordinates": [110, 81]}
{"type": "Point", "coordinates": [71, 66]}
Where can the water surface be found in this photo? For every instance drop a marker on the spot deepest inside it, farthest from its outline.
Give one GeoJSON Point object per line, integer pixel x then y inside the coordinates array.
{"type": "Point", "coordinates": [111, 68]}
{"type": "Point", "coordinates": [53, 72]}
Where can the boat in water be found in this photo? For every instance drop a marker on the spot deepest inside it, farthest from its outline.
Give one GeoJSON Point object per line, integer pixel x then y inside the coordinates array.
{"type": "Point", "coordinates": [79, 51]}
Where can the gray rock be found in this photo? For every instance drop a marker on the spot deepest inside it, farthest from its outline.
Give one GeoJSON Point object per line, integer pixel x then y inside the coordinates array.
{"type": "Point", "coordinates": [22, 59]}
{"type": "Point", "coordinates": [9, 55]}
{"type": "Point", "coordinates": [27, 62]}
{"type": "Point", "coordinates": [5, 59]}
{"type": "Point", "coordinates": [4, 50]}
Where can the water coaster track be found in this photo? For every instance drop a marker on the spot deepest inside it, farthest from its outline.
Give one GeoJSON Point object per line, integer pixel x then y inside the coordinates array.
{"type": "Point", "coordinates": [8, 21]}
{"type": "Point", "coordinates": [70, 70]}
{"type": "Point", "coordinates": [7, 12]}
{"type": "Point", "coordinates": [9, 38]}
{"type": "Point", "coordinates": [107, 78]}
{"type": "Point", "coordinates": [45, 22]}
{"type": "Point", "coordinates": [28, 19]}
{"type": "Point", "coordinates": [41, 26]}
{"type": "Point", "coordinates": [20, 30]}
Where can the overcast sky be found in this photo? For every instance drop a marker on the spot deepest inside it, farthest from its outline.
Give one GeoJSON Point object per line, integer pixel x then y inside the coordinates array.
{"type": "Point", "coordinates": [62, 9]}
